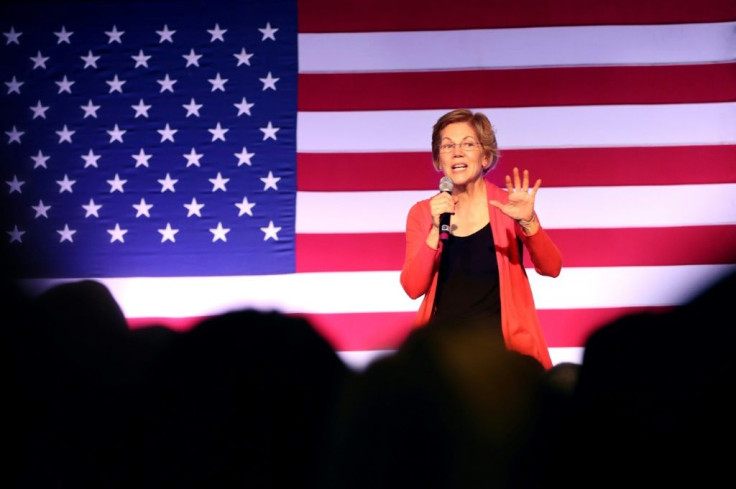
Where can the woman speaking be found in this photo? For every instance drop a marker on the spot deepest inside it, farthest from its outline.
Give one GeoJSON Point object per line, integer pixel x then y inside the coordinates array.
{"type": "Point", "coordinates": [464, 245]}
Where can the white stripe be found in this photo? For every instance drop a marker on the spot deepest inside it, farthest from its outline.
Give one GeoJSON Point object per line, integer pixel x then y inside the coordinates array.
{"type": "Point", "coordinates": [360, 360]}
{"type": "Point", "coordinates": [524, 127]}
{"type": "Point", "coordinates": [638, 206]}
{"type": "Point", "coordinates": [566, 355]}
{"type": "Point", "coordinates": [517, 47]}
{"type": "Point", "coordinates": [353, 292]}
{"type": "Point", "coordinates": [558, 208]}
{"type": "Point", "coordinates": [601, 287]}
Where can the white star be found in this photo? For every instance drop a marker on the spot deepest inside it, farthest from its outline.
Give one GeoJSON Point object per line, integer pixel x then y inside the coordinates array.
{"type": "Point", "coordinates": [12, 36]}
{"type": "Point", "coordinates": [194, 208]}
{"type": "Point", "coordinates": [117, 234]}
{"type": "Point", "coordinates": [65, 185]}
{"type": "Point", "coordinates": [141, 109]}
{"type": "Point", "coordinates": [141, 59]}
{"type": "Point", "coordinates": [217, 33]}
{"type": "Point", "coordinates": [218, 133]}
{"type": "Point", "coordinates": [168, 233]}
{"type": "Point", "coordinates": [167, 133]}
{"type": "Point", "coordinates": [271, 232]}
{"type": "Point", "coordinates": [39, 110]}
{"type": "Point", "coordinates": [65, 85]}
{"type": "Point", "coordinates": [166, 84]}
{"type": "Point", "coordinates": [142, 208]}
{"type": "Point", "coordinates": [90, 60]}
{"type": "Point", "coordinates": [243, 107]}
{"type": "Point", "coordinates": [166, 34]}
{"type": "Point", "coordinates": [63, 35]}
{"type": "Point", "coordinates": [14, 86]}
{"type": "Point", "coordinates": [16, 234]}
{"type": "Point", "coordinates": [219, 232]}
{"type": "Point", "coordinates": [167, 183]}
{"type": "Point", "coordinates": [90, 110]}
{"type": "Point", "coordinates": [268, 32]}
{"type": "Point", "coordinates": [244, 157]}
{"type": "Point", "coordinates": [269, 82]}
{"type": "Point", "coordinates": [114, 35]}
{"type": "Point", "coordinates": [39, 61]}
{"type": "Point", "coordinates": [192, 108]}
{"type": "Point", "coordinates": [65, 135]}
{"type": "Point", "coordinates": [269, 131]}
{"type": "Point", "coordinates": [41, 210]}
{"type": "Point", "coordinates": [243, 57]}
{"type": "Point", "coordinates": [245, 207]}
{"type": "Point", "coordinates": [270, 181]}
{"type": "Point", "coordinates": [193, 158]}
{"type": "Point", "coordinates": [14, 135]}
{"type": "Point", "coordinates": [192, 58]}
{"type": "Point", "coordinates": [116, 84]}
{"type": "Point", "coordinates": [39, 160]}
{"type": "Point", "coordinates": [218, 183]}
{"type": "Point", "coordinates": [16, 184]}
{"type": "Point", "coordinates": [141, 159]}
{"type": "Point", "coordinates": [66, 234]}
{"type": "Point", "coordinates": [90, 159]}
{"type": "Point", "coordinates": [218, 83]}
{"type": "Point", "coordinates": [116, 184]}
{"type": "Point", "coordinates": [91, 209]}
{"type": "Point", "coordinates": [116, 134]}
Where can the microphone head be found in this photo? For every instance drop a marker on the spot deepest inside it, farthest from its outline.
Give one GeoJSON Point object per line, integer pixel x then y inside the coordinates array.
{"type": "Point", "coordinates": [446, 184]}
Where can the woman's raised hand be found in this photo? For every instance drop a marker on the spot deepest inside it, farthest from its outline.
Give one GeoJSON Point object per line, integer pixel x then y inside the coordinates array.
{"type": "Point", "coordinates": [521, 198]}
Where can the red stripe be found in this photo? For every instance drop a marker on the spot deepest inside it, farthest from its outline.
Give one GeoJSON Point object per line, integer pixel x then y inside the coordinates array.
{"type": "Point", "coordinates": [519, 88]}
{"type": "Point", "coordinates": [176, 324]}
{"type": "Point", "coordinates": [349, 252]}
{"type": "Point", "coordinates": [572, 327]}
{"type": "Point", "coordinates": [386, 331]}
{"type": "Point", "coordinates": [363, 331]}
{"type": "Point", "coordinates": [406, 15]}
{"type": "Point", "coordinates": [381, 331]}
{"type": "Point", "coordinates": [701, 245]}
{"type": "Point", "coordinates": [568, 167]}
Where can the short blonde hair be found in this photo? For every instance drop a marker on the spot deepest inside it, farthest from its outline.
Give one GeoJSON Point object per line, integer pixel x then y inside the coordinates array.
{"type": "Point", "coordinates": [483, 129]}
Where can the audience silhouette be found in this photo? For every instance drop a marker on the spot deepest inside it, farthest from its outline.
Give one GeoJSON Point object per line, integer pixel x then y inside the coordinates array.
{"type": "Point", "coordinates": [653, 402]}
{"type": "Point", "coordinates": [260, 399]}
{"type": "Point", "coordinates": [451, 408]}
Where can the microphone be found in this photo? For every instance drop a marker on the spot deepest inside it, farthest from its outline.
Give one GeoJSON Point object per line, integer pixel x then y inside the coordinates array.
{"type": "Point", "coordinates": [446, 185]}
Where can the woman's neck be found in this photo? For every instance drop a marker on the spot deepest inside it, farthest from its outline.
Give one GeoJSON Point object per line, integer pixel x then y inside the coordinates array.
{"type": "Point", "coordinates": [475, 190]}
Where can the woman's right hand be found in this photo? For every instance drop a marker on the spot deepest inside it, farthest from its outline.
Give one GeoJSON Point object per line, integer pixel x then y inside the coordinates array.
{"type": "Point", "coordinates": [440, 204]}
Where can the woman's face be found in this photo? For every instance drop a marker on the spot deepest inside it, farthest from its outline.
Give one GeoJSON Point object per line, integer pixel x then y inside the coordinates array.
{"type": "Point", "coordinates": [462, 165]}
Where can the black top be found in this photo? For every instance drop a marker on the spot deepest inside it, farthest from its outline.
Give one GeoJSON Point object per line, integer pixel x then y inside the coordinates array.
{"type": "Point", "coordinates": [467, 286]}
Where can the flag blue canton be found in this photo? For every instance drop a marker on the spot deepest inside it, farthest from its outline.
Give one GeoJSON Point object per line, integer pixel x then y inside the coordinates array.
{"type": "Point", "coordinates": [150, 139]}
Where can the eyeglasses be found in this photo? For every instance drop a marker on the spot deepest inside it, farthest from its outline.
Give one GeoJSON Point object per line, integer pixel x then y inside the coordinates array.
{"type": "Point", "coordinates": [465, 146]}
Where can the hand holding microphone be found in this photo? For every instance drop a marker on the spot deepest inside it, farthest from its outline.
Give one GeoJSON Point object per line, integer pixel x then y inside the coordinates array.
{"type": "Point", "coordinates": [444, 204]}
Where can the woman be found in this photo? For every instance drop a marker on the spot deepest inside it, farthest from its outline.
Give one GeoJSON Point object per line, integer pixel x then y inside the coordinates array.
{"type": "Point", "coordinates": [477, 275]}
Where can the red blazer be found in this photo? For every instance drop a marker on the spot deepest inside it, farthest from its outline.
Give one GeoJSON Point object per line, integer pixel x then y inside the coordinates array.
{"type": "Point", "coordinates": [519, 320]}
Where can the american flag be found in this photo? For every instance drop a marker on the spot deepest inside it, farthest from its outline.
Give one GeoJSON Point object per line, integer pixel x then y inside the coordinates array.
{"type": "Point", "coordinates": [199, 158]}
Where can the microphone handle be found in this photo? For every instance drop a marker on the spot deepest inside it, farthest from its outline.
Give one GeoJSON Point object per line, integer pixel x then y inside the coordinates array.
{"type": "Point", "coordinates": [444, 226]}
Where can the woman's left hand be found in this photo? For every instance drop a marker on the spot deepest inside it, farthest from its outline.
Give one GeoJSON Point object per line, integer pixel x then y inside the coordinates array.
{"type": "Point", "coordinates": [521, 200]}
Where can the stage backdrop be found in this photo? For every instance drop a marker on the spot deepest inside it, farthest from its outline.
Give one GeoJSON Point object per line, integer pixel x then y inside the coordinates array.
{"type": "Point", "coordinates": [202, 157]}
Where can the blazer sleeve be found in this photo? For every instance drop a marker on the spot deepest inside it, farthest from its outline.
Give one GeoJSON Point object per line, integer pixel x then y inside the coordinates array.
{"type": "Point", "coordinates": [420, 259]}
{"type": "Point", "coordinates": [543, 252]}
